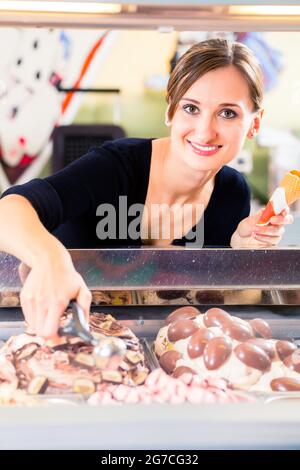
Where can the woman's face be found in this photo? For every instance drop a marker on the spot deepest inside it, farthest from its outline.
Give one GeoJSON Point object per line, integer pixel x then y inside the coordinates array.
{"type": "Point", "coordinates": [213, 119]}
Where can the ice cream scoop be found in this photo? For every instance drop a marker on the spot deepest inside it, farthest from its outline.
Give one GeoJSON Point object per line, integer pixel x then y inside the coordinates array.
{"type": "Point", "coordinates": [286, 194]}
{"type": "Point", "coordinates": [108, 351]}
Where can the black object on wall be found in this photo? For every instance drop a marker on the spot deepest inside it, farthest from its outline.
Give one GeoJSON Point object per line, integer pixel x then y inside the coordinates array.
{"type": "Point", "coordinates": [73, 141]}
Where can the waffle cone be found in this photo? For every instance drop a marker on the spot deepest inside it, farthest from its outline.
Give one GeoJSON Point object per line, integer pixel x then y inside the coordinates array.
{"type": "Point", "coordinates": [291, 185]}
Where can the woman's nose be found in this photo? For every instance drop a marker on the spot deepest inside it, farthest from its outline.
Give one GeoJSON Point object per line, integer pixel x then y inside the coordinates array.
{"type": "Point", "coordinates": [205, 129]}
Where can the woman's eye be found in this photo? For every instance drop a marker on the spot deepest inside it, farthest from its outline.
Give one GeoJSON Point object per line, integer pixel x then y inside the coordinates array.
{"type": "Point", "coordinates": [228, 114]}
{"type": "Point", "coordinates": [190, 108]}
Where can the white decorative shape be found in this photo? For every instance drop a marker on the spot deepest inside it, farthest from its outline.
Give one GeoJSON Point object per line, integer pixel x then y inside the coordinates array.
{"type": "Point", "coordinates": [279, 200]}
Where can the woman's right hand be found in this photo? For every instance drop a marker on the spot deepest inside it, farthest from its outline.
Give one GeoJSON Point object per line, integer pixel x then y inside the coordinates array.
{"type": "Point", "coordinates": [48, 288]}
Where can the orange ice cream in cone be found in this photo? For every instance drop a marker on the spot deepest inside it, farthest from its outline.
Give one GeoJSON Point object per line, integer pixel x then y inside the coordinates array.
{"type": "Point", "coordinates": [286, 194]}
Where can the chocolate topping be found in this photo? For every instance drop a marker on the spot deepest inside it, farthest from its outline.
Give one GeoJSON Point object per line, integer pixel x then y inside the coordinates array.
{"type": "Point", "coordinates": [253, 356]}
{"type": "Point", "coordinates": [216, 352]}
{"type": "Point", "coordinates": [285, 348]}
{"type": "Point", "coordinates": [285, 384]}
{"type": "Point", "coordinates": [181, 313]}
{"type": "Point", "coordinates": [261, 328]}
{"type": "Point", "coordinates": [168, 361]}
{"type": "Point", "coordinates": [69, 364]}
{"type": "Point", "coordinates": [26, 351]}
{"type": "Point", "coordinates": [171, 294]}
{"type": "Point", "coordinates": [181, 329]}
{"type": "Point", "coordinates": [209, 297]}
{"type": "Point", "coordinates": [179, 371]}
{"type": "Point", "coordinates": [293, 361]}
{"type": "Point", "coordinates": [106, 324]}
{"type": "Point", "coordinates": [198, 342]}
{"type": "Point", "coordinates": [265, 344]}
{"type": "Point", "coordinates": [238, 330]}
{"type": "Point", "coordinates": [216, 317]}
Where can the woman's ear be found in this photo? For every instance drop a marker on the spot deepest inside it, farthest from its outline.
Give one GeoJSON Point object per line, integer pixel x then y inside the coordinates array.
{"type": "Point", "coordinates": [255, 125]}
{"type": "Point", "coordinates": [167, 120]}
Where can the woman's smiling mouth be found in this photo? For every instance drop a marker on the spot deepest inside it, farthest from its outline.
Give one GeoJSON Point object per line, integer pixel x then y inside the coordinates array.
{"type": "Point", "coordinates": [205, 150]}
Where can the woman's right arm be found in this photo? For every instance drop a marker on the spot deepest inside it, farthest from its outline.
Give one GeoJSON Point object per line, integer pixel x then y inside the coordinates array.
{"type": "Point", "coordinates": [53, 280]}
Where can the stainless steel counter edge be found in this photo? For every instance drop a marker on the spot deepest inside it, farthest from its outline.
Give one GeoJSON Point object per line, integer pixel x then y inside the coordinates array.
{"type": "Point", "coordinates": [228, 426]}
{"type": "Point", "coordinates": [144, 268]}
{"type": "Point", "coordinates": [135, 276]}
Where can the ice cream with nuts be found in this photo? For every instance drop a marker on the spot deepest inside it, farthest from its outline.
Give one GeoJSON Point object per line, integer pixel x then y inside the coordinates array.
{"type": "Point", "coordinates": [30, 363]}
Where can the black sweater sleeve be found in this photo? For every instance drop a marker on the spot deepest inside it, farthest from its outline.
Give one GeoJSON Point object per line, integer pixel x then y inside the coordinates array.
{"type": "Point", "coordinates": [74, 191]}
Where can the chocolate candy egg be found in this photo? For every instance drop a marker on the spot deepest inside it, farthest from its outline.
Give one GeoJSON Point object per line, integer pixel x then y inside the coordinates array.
{"type": "Point", "coordinates": [216, 352]}
{"type": "Point", "coordinates": [181, 329]}
{"type": "Point", "coordinates": [265, 344]}
{"type": "Point", "coordinates": [168, 361]}
{"type": "Point", "coordinates": [216, 317]}
{"type": "Point", "coordinates": [198, 341]}
{"type": "Point", "coordinates": [238, 330]}
{"type": "Point", "coordinates": [285, 348]}
{"type": "Point", "coordinates": [179, 371]}
{"type": "Point", "coordinates": [293, 361]}
{"type": "Point", "coordinates": [253, 356]}
{"type": "Point", "coordinates": [285, 384]}
{"type": "Point", "coordinates": [182, 312]}
{"type": "Point", "coordinates": [261, 328]}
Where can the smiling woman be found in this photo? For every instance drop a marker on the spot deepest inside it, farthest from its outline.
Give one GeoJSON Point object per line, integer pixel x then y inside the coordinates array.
{"type": "Point", "coordinates": [214, 101]}
{"type": "Point", "coordinates": [177, 184]}
{"type": "Point", "coordinates": [213, 119]}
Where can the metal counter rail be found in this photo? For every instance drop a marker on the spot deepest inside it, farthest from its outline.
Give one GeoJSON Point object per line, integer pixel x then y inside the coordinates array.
{"type": "Point", "coordinates": [147, 276]}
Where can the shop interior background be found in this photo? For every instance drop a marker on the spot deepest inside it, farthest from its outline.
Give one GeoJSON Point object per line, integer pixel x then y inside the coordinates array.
{"type": "Point", "coordinates": [126, 72]}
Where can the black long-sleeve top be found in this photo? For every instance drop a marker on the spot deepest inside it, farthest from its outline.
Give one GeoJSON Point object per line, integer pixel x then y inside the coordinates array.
{"type": "Point", "coordinates": [66, 202]}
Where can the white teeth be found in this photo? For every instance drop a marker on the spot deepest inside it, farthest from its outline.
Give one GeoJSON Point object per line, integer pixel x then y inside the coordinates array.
{"type": "Point", "coordinates": [205, 148]}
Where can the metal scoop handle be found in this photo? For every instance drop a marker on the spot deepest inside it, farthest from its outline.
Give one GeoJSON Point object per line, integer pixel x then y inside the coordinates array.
{"type": "Point", "coordinates": [108, 352]}
{"type": "Point", "coordinates": [78, 325]}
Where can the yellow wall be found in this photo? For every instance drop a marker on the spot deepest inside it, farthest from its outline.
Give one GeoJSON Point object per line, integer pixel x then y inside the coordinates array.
{"type": "Point", "coordinates": [134, 56]}
{"type": "Point", "coordinates": [282, 105]}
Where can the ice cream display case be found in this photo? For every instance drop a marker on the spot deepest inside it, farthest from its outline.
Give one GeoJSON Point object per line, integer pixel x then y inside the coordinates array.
{"type": "Point", "coordinates": [161, 302]}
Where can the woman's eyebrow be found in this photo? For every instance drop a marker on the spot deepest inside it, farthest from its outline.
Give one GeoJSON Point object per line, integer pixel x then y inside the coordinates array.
{"type": "Point", "coordinates": [191, 100]}
{"type": "Point", "coordinates": [230, 104]}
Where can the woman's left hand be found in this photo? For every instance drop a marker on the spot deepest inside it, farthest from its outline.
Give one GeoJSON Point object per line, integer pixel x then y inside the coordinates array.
{"type": "Point", "coordinates": [248, 234]}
